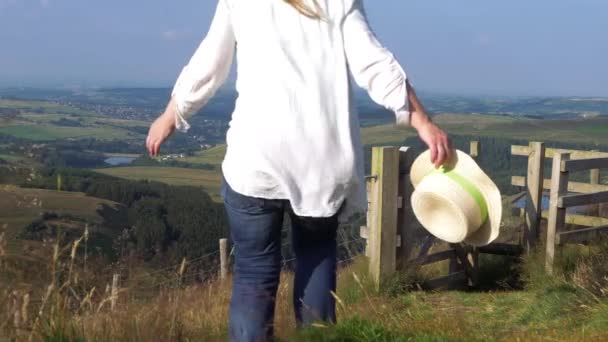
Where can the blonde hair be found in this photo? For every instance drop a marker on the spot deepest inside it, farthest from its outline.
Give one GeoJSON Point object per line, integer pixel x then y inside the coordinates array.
{"type": "Point", "coordinates": [305, 10]}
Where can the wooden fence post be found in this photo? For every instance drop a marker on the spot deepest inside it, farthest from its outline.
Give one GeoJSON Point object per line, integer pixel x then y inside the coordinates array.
{"type": "Point", "coordinates": [472, 255]}
{"type": "Point", "coordinates": [594, 178]}
{"type": "Point", "coordinates": [383, 230]}
{"type": "Point", "coordinates": [534, 193]}
{"type": "Point", "coordinates": [474, 149]}
{"type": "Point", "coordinates": [594, 174]}
{"type": "Point", "coordinates": [557, 216]}
{"type": "Point", "coordinates": [455, 265]}
{"type": "Point", "coordinates": [114, 293]}
{"type": "Point", "coordinates": [405, 221]}
{"type": "Point", "coordinates": [370, 208]}
{"type": "Point", "coordinates": [223, 258]}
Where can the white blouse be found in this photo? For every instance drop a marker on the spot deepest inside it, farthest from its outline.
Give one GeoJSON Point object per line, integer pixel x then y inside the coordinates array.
{"type": "Point", "coordinates": [294, 132]}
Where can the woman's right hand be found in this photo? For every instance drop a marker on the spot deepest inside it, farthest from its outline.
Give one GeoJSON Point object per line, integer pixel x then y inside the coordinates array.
{"type": "Point", "coordinates": [160, 130]}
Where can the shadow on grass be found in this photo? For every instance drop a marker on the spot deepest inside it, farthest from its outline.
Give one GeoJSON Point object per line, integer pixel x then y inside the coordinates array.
{"type": "Point", "coordinates": [499, 273]}
{"type": "Point", "coordinates": [358, 329]}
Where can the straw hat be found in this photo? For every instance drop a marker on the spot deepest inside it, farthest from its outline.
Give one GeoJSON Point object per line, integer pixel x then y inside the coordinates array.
{"type": "Point", "coordinates": [457, 202]}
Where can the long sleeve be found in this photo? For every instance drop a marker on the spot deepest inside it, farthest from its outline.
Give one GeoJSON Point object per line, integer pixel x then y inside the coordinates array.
{"type": "Point", "coordinates": [207, 70]}
{"type": "Point", "coordinates": [373, 67]}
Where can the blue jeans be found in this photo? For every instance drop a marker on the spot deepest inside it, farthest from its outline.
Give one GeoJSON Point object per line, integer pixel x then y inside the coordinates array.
{"type": "Point", "coordinates": [255, 225]}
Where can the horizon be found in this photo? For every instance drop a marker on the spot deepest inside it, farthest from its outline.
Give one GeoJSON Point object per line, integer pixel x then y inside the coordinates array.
{"type": "Point", "coordinates": [229, 87]}
{"type": "Point", "coordinates": [514, 49]}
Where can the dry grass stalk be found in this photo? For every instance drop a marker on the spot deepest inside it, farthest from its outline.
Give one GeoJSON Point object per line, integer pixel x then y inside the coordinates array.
{"type": "Point", "coordinates": [590, 274]}
{"type": "Point", "coordinates": [73, 258]}
{"type": "Point", "coordinates": [15, 309]}
{"type": "Point", "coordinates": [24, 308]}
{"type": "Point", "coordinates": [86, 244]}
{"type": "Point", "coordinates": [114, 293]}
{"type": "Point", "coordinates": [180, 273]}
{"type": "Point", "coordinates": [2, 249]}
{"type": "Point", "coordinates": [45, 299]}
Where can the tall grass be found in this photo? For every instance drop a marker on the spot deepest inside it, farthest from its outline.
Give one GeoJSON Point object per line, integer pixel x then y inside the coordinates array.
{"type": "Point", "coordinates": [74, 304]}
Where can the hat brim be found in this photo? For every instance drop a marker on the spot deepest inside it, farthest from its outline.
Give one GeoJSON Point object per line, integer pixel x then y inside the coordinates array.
{"type": "Point", "coordinates": [464, 165]}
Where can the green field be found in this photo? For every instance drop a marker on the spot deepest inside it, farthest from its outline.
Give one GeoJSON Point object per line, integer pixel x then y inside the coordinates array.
{"type": "Point", "coordinates": [51, 132]}
{"type": "Point", "coordinates": [38, 121]}
{"type": "Point", "coordinates": [590, 131]}
{"type": "Point", "coordinates": [382, 134]}
{"type": "Point", "coordinates": [47, 106]}
{"type": "Point", "coordinates": [208, 180]}
{"type": "Point", "coordinates": [11, 157]}
{"type": "Point", "coordinates": [212, 156]}
{"type": "Point", "coordinates": [126, 155]}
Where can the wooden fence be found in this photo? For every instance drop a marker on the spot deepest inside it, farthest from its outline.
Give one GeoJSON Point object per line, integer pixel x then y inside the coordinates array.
{"type": "Point", "coordinates": [390, 221]}
{"type": "Point", "coordinates": [563, 194]}
{"type": "Point", "coordinates": [390, 226]}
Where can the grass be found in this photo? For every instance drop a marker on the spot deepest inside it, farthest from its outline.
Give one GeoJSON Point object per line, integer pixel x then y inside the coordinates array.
{"type": "Point", "coordinates": [208, 179]}
{"type": "Point", "coordinates": [546, 308]}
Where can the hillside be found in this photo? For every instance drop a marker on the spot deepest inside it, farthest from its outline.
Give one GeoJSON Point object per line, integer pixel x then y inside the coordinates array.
{"type": "Point", "coordinates": [221, 105]}
{"type": "Point", "coordinates": [585, 131]}
{"type": "Point", "coordinates": [43, 121]}
{"type": "Point", "coordinates": [162, 298]}
{"type": "Point", "coordinates": [31, 219]}
{"type": "Point", "coordinates": [498, 132]}
{"type": "Point", "coordinates": [209, 180]}
{"type": "Point", "coordinates": [21, 206]}
{"type": "Point", "coordinates": [588, 131]}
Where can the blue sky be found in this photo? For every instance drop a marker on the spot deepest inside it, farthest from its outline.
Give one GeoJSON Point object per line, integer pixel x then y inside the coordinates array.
{"type": "Point", "coordinates": [516, 47]}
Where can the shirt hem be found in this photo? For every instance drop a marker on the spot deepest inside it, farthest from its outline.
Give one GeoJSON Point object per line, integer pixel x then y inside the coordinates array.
{"type": "Point", "coordinates": [333, 207]}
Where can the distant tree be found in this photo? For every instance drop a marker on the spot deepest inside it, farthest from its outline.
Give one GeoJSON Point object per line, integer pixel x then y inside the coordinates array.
{"type": "Point", "coordinates": [150, 232]}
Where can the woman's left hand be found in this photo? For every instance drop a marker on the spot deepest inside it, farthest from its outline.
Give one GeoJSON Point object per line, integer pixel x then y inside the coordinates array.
{"type": "Point", "coordinates": [434, 137]}
{"type": "Point", "coordinates": [160, 130]}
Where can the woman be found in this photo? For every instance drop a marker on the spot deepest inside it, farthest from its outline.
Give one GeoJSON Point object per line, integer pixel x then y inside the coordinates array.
{"type": "Point", "coordinates": [294, 140]}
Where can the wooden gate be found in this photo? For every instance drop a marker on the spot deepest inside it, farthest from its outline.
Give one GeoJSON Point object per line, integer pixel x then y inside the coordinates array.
{"type": "Point", "coordinates": [390, 226]}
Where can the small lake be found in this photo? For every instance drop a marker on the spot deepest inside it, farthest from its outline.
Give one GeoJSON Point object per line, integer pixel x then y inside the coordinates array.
{"type": "Point", "coordinates": [115, 161]}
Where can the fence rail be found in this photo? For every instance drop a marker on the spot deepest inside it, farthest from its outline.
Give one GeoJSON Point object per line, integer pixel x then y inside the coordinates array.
{"type": "Point", "coordinates": [573, 165]}
{"type": "Point", "coordinates": [525, 151]}
{"type": "Point", "coordinates": [572, 186]}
